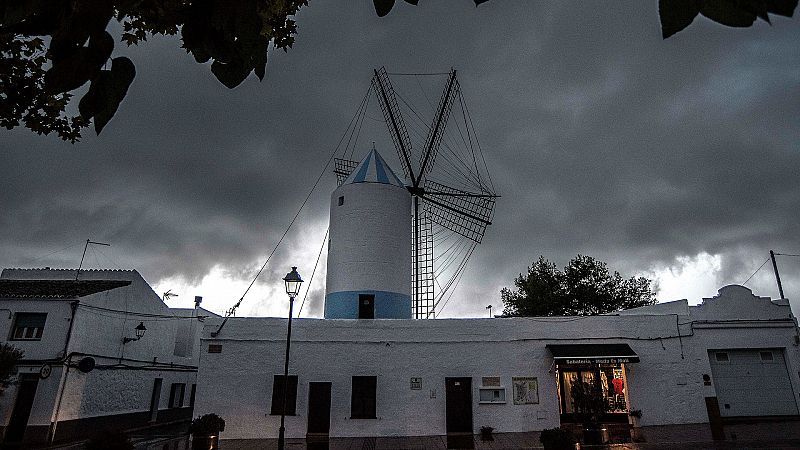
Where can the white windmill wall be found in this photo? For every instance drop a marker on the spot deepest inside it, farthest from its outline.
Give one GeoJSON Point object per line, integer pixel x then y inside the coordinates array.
{"type": "Point", "coordinates": [369, 250]}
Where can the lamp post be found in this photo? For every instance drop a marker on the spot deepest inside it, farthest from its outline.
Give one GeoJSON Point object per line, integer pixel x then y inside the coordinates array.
{"type": "Point", "coordinates": [293, 282]}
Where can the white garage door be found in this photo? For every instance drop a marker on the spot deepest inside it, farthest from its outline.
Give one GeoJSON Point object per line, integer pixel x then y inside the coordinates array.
{"type": "Point", "coordinates": [752, 382]}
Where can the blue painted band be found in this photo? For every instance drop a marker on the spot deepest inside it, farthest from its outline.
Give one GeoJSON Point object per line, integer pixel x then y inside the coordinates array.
{"type": "Point", "coordinates": [388, 305]}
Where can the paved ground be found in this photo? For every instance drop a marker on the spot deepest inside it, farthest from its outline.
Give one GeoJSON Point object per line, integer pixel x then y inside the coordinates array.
{"type": "Point", "coordinates": [776, 436]}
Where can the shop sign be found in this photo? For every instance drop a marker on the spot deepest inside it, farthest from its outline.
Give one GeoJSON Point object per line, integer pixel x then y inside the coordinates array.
{"type": "Point", "coordinates": [619, 360]}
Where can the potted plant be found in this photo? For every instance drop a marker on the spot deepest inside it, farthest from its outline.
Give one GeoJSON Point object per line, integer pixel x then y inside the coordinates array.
{"type": "Point", "coordinates": [486, 433]}
{"type": "Point", "coordinates": [590, 405]}
{"type": "Point", "coordinates": [205, 431]}
{"type": "Point", "coordinates": [558, 439]}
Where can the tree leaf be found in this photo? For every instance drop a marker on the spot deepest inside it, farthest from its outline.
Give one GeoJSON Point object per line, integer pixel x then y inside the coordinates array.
{"type": "Point", "coordinates": [782, 7]}
{"type": "Point", "coordinates": [106, 92]}
{"type": "Point", "coordinates": [727, 12]}
{"type": "Point", "coordinates": [676, 15]}
{"type": "Point", "coordinates": [230, 74]}
{"type": "Point", "coordinates": [382, 7]}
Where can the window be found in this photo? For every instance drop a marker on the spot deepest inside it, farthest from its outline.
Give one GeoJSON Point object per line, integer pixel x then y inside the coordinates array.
{"type": "Point", "coordinates": [28, 326]}
{"type": "Point", "coordinates": [341, 200]}
{"type": "Point", "coordinates": [366, 306]}
{"type": "Point", "coordinates": [176, 395]}
{"type": "Point", "coordinates": [722, 357]}
{"type": "Point", "coordinates": [214, 348]}
{"type": "Point", "coordinates": [767, 357]}
{"type": "Point", "coordinates": [277, 395]}
{"type": "Point", "coordinates": [492, 395]}
{"type": "Point", "coordinates": [362, 403]}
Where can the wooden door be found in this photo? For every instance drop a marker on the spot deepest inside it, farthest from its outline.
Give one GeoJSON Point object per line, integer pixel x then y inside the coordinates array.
{"type": "Point", "coordinates": [26, 392]}
{"type": "Point", "coordinates": [458, 407]}
{"type": "Point", "coordinates": [319, 408]}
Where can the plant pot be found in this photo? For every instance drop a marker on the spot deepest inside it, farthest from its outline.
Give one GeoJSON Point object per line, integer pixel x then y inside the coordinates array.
{"type": "Point", "coordinates": [205, 442]}
{"type": "Point", "coordinates": [595, 435]}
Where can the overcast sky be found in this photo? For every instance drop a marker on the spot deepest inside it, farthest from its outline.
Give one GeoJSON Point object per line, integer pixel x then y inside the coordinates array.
{"type": "Point", "coordinates": [677, 159]}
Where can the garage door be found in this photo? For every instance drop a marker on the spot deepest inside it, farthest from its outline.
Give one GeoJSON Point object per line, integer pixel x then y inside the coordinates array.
{"type": "Point", "coordinates": [752, 382]}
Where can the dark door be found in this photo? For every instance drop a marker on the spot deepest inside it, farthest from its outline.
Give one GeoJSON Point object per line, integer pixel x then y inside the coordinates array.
{"type": "Point", "coordinates": [458, 407]}
{"type": "Point", "coordinates": [366, 306]}
{"type": "Point", "coordinates": [319, 408]}
{"type": "Point", "coordinates": [155, 397]}
{"type": "Point", "coordinates": [22, 407]}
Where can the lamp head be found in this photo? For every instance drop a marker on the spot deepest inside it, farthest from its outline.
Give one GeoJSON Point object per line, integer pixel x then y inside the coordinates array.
{"type": "Point", "coordinates": [140, 329]}
{"type": "Point", "coordinates": [293, 282]}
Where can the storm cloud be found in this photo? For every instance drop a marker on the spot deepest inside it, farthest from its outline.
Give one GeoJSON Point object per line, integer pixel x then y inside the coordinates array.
{"type": "Point", "coordinates": [602, 138]}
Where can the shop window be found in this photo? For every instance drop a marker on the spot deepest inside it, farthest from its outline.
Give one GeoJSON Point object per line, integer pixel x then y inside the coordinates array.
{"type": "Point", "coordinates": [277, 395]}
{"type": "Point", "coordinates": [722, 357]}
{"type": "Point", "coordinates": [176, 393]}
{"type": "Point", "coordinates": [28, 326]}
{"type": "Point", "coordinates": [363, 401]}
{"type": "Point", "coordinates": [573, 382]}
{"type": "Point", "coordinates": [767, 357]}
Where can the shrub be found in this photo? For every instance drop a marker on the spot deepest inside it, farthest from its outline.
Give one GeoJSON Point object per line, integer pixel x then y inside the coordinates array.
{"type": "Point", "coordinates": [207, 425]}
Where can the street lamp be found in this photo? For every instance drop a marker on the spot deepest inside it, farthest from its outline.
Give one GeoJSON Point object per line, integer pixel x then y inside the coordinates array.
{"type": "Point", "coordinates": [293, 282]}
{"type": "Point", "coordinates": [140, 329]}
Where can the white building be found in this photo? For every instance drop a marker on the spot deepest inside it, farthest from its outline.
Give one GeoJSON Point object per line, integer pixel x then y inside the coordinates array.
{"type": "Point", "coordinates": [734, 357]}
{"type": "Point", "coordinates": [84, 368]}
{"type": "Point", "coordinates": [368, 370]}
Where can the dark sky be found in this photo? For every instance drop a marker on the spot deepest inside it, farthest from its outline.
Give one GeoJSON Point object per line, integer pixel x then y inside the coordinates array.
{"type": "Point", "coordinates": [674, 159]}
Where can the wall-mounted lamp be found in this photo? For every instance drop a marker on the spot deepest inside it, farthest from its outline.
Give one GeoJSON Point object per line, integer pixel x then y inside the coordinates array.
{"type": "Point", "coordinates": [140, 329]}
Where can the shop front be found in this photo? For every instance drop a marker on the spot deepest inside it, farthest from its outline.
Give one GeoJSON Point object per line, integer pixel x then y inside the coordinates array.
{"type": "Point", "coordinates": [591, 383]}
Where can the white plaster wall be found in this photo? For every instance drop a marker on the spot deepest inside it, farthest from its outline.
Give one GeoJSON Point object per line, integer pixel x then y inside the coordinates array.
{"type": "Point", "coordinates": [667, 387]}
{"type": "Point", "coordinates": [100, 332]}
{"type": "Point", "coordinates": [370, 239]}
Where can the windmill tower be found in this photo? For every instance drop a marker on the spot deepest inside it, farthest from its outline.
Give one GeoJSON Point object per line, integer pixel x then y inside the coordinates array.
{"type": "Point", "coordinates": [368, 252]}
{"type": "Point", "coordinates": [433, 206]}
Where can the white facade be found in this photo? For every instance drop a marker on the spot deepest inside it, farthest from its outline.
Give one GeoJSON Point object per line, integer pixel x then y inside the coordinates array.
{"type": "Point", "coordinates": [68, 402]}
{"type": "Point", "coordinates": [413, 358]}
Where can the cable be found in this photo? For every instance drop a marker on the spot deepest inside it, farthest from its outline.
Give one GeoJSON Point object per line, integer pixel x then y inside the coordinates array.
{"type": "Point", "coordinates": [787, 254]}
{"type": "Point", "coordinates": [53, 253]}
{"type": "Point", "coordinates": [754, 273]}
{"type": "Point", "coordinates": [324, 239]}
{"type": "Point", "coordinates": [232, 310]}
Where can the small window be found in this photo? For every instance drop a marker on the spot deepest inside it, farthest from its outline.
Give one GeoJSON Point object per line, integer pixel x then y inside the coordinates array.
{"type": "Point", "coordinates": [176, 393]}
{"type": "Point", "coordinates": [721, 357]}
{"type": "Point", "coordinates": [341, 200]}
{"type": "Point", "coordinates": [277, 395]}
{"type": "Point", "coordinates": [492, 395]}
{"type": "Point", "coordinates": [767, 357]}
{"type": "Point", "coordinates": [363, 402]}
{"type": "Point", "coordinates": [28, 326]}
{"type": "Point", "coordinates": [214, 348]}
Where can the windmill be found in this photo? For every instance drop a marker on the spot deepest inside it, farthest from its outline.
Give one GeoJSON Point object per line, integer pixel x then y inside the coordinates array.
{"type": "Point", "coordinates": [437, 207]}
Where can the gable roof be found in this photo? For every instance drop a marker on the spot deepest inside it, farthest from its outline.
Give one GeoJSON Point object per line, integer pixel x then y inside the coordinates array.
{"type": "Point", "coordinates": [56, 288]}
{"type": "Point", "coordinates": [373, 169]}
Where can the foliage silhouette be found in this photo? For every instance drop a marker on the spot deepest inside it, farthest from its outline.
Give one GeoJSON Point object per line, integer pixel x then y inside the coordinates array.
{"type": "Point", "coordinates": [9, 356]}
{"type": "Point", "coordinates": [37, 80]}
{"type": "Point", "coordinates": [585, 287]}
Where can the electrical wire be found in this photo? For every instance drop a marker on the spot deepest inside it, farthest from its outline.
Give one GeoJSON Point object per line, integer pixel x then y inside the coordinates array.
{"type": "Point", "coordinates": [308, 289]}
{"type": "Point", "coordinates": [754, 273]}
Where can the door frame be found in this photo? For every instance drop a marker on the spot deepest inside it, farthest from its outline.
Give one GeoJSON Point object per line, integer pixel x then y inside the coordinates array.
{"type": "Point", "coordinates": [16, 424]}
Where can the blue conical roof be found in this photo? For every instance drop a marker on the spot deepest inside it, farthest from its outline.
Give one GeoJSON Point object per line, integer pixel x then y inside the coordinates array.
{"type": "Point", "coordinates": [373, 169]}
